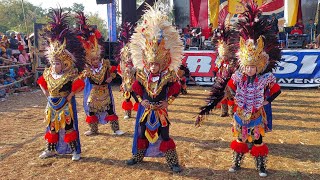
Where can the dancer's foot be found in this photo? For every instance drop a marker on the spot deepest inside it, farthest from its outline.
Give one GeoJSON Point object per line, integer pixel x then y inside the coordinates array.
{"type": "Point", "coordinates": [46, 154]}
{"type": "Point", "coordinates": [75, 156]}
{"type": "Point", "coordinates": [119, 132]}
{"type": "Point", "coordinates": [90, 133]}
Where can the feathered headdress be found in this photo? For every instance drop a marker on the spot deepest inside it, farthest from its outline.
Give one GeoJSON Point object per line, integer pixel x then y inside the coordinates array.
{"type": "Point", "coordinates": [63, 45]}
{"type": "Point", "coordinates": [123, 55]}
{"type": "Point", "coordinates": [226, 39]}
{"type": "Point", "coordinates": [258, 45]}
{"type": "Point", "coordinates": [90, 38]}
{"type": "Point", "coordinates": [156, 40]}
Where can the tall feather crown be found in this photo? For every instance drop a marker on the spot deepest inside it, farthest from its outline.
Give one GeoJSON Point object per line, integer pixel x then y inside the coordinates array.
{"type": "Point", "coordinates": [156, 40]}
{"type": "Point", "coordinates": [123, 55]}
{"type": "Point", "coordinates": [89, 37]}
{"type": "Point", "coordinates": [258, 45]}
{"type": "Point", "coordinates": [63, 45]}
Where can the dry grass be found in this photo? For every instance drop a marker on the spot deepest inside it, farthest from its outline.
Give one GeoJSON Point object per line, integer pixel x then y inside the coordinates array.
{"type": "Point", "coordinates": [204, 152]}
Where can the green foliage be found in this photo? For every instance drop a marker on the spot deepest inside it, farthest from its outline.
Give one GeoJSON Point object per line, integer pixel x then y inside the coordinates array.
{"type": "Point", "coordinates": [12, 17]}
{"type": "Point", "coordinates": [94, 19]}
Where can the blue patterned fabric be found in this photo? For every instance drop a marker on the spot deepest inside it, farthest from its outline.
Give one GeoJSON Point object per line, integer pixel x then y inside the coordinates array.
{"type": "Point", "coordinates": [62, 147]}
{"type": "Point", "coordinates": [153, 149]}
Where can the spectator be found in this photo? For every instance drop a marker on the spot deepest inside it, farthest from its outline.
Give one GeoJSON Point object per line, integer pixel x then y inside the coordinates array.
{"type": "Point", "coordinates": [186, 32]}
{"type": "Point", "coordinates": [179, 29]}
{"type": "Point", "coordinates": [196, 37]}
{"type": "Point", "coordinates": [22, 44]}
{"type": "Point", "coordinates": [296, 30]}
{"type": "Point", "coordinates": [2, 91]}
{"type": "Point", "coordinates": [300, 25]}
{"type": "Point", "coordinates": [13, 43]}
{"type": "Point", "coordinates": [6, 44]}
{"type": "Point", "coordinates": [8, 80]}
{"type": "Point", "coordinates": [2, 48]}
{"type": "Point", "coordinates": [274, 24]}
{"type": "Point", "coordinates": [13, 58]}
{"type": "Point", "coordinates": [310, 31]}
{"type": "Point", "coordinates": [24, 57]}
{"type": "Point", "coordinates": [26, 40]}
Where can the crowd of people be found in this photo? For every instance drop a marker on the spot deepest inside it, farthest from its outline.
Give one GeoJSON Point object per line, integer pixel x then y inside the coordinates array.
{"type": "Point", "coordinates": [14, 63]}
{"type": "Point", "coordinates": [196, 36]}
{"type": "Point", "coordinates": [202, 39]}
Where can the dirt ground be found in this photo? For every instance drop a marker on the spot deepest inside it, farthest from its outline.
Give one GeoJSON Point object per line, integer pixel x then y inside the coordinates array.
{"type": "Point", "coordinates": [204, 152]}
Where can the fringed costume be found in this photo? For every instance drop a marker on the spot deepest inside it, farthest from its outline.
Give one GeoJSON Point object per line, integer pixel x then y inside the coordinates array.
{"type": "Point", "coordinates": [98, 100]}
{"type": "Point", "coordinates": [155, 43]}
{"type": "Point", "coordinates": [254, 90]}
{"type": "Point", "coordinates": [60, 82]}
{"type": "Point", "coordinates": [127, 71]}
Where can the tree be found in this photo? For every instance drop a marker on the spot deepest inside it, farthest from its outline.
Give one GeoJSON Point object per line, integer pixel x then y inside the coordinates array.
{"type": "Point", "coordinates": [12, 16]}
{"type": "Point", "coordinates": [94, 19]}
{"type": "Point", "coordinates": [76, 7]}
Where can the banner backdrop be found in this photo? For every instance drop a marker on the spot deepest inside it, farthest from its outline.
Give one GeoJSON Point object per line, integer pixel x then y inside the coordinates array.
{"type": "Point", "coordinates": [298, 68]}
{"type": "Point", "coordinates": [214, 12]}
{"type": "Point", "coordinates": [235, 7]}
{"type": "Point", "coordinates": [112, 25]}
{"type": "Point", "coordinates": [199, 13]}
{"type": "Point", "coordinates": [269, 7]}
{"type": "Point", "coordinates": [201, 64]}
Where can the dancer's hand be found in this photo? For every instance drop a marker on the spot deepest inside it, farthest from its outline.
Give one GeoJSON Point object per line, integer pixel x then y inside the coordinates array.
{"type": "Point", "coordinates": [109, 79]}
{"type": "Point", "coordinates": [265, 102]}
{"type": "Point", "coordinates": [163, 105]}
{"type": "Point", "coordinates": [145, 103]}
{"type": "Point", "coordinates": [199, 120]}
{"type": "Point", "coordinates": [69, 97]}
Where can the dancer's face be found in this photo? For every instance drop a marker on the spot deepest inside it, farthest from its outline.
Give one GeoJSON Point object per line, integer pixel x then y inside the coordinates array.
{"type": "Point", "coordinates": [57, 67]}
{"type": "Point", "coordinates": [250, 70]}
{"type": "Point", "coordinates": [154, 68]}
{"type": "Point", "coordinates": [95, 62]}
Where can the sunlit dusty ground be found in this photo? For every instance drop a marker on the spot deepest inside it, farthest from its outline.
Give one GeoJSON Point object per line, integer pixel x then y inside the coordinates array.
{"type": "Point", "coordinates": [204, 152]}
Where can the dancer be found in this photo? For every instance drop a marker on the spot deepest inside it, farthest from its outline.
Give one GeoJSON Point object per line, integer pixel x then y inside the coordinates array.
{"type": "Point", "coordinates": [227, 42]}
{"type": "Point", "coordinates": [222, 68]}
{"type": "Point", "coordinates": [183, 76]}
{"type": "Point", "coordinates": [98, 100]}
{"type": "Point", "coordinates": [156, 53]}
{"type": "Point", "coordinates": [126, 71]}
{"type": "Point", "coordinates": [60, 83]}
{"type": "Point", "coordinates": [254, 87]}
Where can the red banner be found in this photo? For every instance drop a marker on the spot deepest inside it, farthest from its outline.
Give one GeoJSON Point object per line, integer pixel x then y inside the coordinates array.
{"type": "Point", "coordinates": [199, 13]}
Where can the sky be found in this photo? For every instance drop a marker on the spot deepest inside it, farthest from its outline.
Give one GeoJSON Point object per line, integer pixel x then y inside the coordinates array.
{"type": "Point", "coordinates": [89, 5]}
